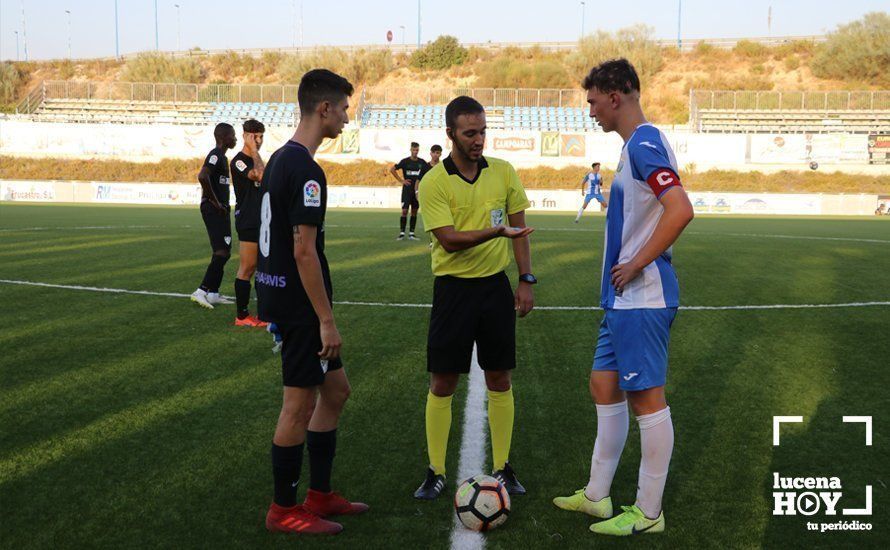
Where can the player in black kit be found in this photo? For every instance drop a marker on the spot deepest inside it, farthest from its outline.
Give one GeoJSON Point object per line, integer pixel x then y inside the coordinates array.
{"type": "Point", "coordinates": [294, 291]}
{"type": "Point", "coordinates": [214, 179]}
{"type": "Point", "coordinates": [413, 168]}
{"type": "Point", "coordinates": [247, 173]}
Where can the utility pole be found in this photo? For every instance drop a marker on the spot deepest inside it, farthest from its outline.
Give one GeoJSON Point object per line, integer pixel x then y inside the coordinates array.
{"type": "Point", "coordinates": [24, 31]}
{"type": "Point", "coordinates": [418, 24]}
{"type": "Point", "coordinates": [769, 22]}
{"type": "Point", "coordinates": [68, 13]}
{"type": "Point", "coordinates": [679, 16]}
{"type": "Point", "coordinates": [117, 43]}
{"type": "Point", "coordinates": [403, 34]}
{"type": "Point", "coordinates": [301, 23]}
{"type": "Point", "coordinates": [16, 45]}
{"type": "Point", "coordinates": [178, 48]}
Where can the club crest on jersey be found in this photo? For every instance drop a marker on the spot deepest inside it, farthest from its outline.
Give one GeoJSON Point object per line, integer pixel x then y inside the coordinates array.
{"type": "Point", "coordinates": [312, 194]}
{"type": "Point", "coordinates": [497, 217]}
{"type": "Point", "coordinates": [620, 166]}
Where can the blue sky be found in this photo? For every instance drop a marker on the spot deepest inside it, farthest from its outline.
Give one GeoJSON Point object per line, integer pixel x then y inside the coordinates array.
{"type": "Point", "coordinates": [271, 23]}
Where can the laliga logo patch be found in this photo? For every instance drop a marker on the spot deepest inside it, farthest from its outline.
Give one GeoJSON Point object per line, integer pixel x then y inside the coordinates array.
{"type": "Point", "coordinates": [664, 178]}
{"type": "Point", "coordinates": [240, 165]}
{"type": "Point", "coordinates": [212, 160]}
{"type": "Point", "coordinates": [312, 194]}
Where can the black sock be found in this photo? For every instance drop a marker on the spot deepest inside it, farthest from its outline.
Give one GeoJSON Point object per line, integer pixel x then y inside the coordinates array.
{"type": "Point", "coordinates": [242, 297]}
{"type": "Point", "coordinates": [214, 274]}
{"type": "Point", "coordinates": [286, 465]}
{"type": "Point", "coordinates": [322, 447]}
{"type": "Point", "coordinates": [413, 222]}
{"type": "Point", "coordinates": [402, 221]}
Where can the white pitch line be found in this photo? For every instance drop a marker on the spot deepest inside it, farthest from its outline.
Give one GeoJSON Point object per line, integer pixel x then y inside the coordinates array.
{"type": "Point", "coordinates": [472, 450]}
{"type": "Point", "coordinates": [409, 305]}
{"type": "Point", "coordinates": [90, 228]}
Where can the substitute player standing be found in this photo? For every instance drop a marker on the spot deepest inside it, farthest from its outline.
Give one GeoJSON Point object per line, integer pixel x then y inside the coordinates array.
{"type": "Point", "coordinates": [640, 296]}
{"type": "Point", "coordinates": [294, 290]}
{"type": "Point", "coordinates": [413, 168]}
{"type": "Point", "coordinates": [592, 189]}
{"type": "Point", "coordinates": [435, 154]}
{"type": "Point", "coordinates": [247, 173]}
{"type": "Point", "coordinates": [472, 204]}
{"type": "Point", "coordinates": [214, 180]}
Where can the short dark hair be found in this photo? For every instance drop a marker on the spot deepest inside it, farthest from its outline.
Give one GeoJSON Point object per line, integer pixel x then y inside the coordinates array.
{"type": "Point", "coordinates": [594, 165]}
{"type": "Point", "coordinates": [615, 75]}
{"type": "Point", "coordinates": [436, 147]}
{"type": "Point", "coordinates": [461, 105]}
{"type": "Point", "coordinates": [321, 85]}
{"type": "Point", "coordinates": [221, 130]}
{"type": "Point", "coordinates": [253, 126]}
{"type": "Point", "coordinates": [414, 144]}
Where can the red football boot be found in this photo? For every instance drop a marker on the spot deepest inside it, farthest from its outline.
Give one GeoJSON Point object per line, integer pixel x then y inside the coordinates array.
{"type": "Point", "coordinates": [297, 519]}
{"type": "Point", "coordinates": [332, 504]}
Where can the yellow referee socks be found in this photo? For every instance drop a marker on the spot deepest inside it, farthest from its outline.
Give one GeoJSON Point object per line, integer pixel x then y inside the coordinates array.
{"type": "Point", "coordinates": [438, 424]}
{"type": "Point", "coordinates": [500, 424]}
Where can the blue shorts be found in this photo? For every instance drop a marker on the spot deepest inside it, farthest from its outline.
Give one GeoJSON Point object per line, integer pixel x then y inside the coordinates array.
{"type": "Point", "coordinates": [594, 197]}
{"type": "Point", "coordinates": [634, 342]}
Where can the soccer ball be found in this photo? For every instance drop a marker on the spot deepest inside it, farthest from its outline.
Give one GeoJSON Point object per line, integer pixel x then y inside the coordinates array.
{"type": "Point", "coordinates": [814, 165]}
{"type": "Point", "coordinates": [482, 503]}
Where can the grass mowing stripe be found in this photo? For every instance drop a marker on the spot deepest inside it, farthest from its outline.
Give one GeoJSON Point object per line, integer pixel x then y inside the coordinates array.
{"type": "Point", "coordinates": [408, 305]}
{"type": "Point", "coordinates": [472, 450]}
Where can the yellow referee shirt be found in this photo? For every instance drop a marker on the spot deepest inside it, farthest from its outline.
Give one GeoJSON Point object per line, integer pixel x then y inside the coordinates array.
{"type": "Point", "coordinates": [447, 198]}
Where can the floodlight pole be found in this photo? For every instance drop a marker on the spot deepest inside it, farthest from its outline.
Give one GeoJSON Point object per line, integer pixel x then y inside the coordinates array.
{"type": "Point", "coordinates": [418, 24]}
{"type": "Point", "coordinates": [68, 13]}
{"type": "Point", "coordinates": [403, 34]}
{"type": "Point", "coordinates": [16, 45]}
{"type": "Point", "coordinates": [156, 26]}
{"type": "Point", "coordinates": [117, 44]}
{"type": "Point", "coordinates": [177, 27]}
{"type": "Point", "coordinates": [583, 9]}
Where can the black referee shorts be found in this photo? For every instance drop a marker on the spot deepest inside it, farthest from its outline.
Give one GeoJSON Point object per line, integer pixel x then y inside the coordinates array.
{"type": "Point", "coordinates": [409, 197]}
{"type": "Point", "coordinates": [472, 310]}
{"type": "Point", "coordinates": [300, 365]}
{"type": "Point", "coordinates": [219, 226]}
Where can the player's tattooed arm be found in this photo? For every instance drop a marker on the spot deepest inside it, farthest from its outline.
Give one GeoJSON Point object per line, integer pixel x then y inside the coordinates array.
{"type": "Point", "coordinates": [298, 237]}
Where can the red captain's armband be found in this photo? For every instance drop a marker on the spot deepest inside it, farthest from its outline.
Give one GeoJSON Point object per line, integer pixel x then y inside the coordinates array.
{"type": "Point", "coordinates": [663, 179]}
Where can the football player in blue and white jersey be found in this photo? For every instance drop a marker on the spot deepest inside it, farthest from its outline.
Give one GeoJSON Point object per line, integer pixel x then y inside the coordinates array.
{"type": "Point", "coordinates": [592, 189]}
{"type": "Point", "coordinates": [640, 295]}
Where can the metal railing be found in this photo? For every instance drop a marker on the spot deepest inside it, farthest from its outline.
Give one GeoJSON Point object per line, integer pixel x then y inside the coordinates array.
{"type": "Point", "coordinates": [32, 101]}
{"type": "Point", "coordinates": [686, 45]}
{"type": "Point", "coordinates": [147, 91]}
{"type": "Point", "coordinates": [489, 97]}
{"type": "Point", "coordinates": [789, 100]}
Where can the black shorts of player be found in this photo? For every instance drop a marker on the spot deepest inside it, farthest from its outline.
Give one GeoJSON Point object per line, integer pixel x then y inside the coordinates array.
{"type": "Point", "coordinates": [409, 197]}
{"type": "Point", "coordinates": [219, 226]}
{"type": "Point", "coordinates": [248, 234]}
{"type": "Point", "coordinates": [465, 311]}
{"type": "Point", "coordinates": [300, 365]}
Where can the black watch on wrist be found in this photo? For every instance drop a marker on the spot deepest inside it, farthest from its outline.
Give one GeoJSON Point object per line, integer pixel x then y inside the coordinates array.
{"type": "Point", "coordinates": [528, 278]}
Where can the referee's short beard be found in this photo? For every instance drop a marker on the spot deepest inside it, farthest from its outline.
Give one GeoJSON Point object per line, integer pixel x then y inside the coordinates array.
{"type": "Point", "coordinates": [463, 151]}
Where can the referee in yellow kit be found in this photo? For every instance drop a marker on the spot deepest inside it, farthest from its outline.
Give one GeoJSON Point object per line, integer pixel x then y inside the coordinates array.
{"type": "Point", "coordinates": [472, 204]}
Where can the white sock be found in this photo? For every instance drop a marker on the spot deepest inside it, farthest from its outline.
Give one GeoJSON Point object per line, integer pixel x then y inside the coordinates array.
{"type": "Point", "coordinates": [657, 444]}
{"type": "Point", "coordinates": [580, 211]}
{"type": "Point", "coordinates": [611, 433]}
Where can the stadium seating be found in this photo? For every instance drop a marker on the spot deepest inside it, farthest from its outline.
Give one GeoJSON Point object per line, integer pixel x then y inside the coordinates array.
{"type": "Point", "coordinates": [510, 118]}
{"type": "Point", "coordinates": [164, 112]}
{"type": "Point", "coordinates": [793, 121]}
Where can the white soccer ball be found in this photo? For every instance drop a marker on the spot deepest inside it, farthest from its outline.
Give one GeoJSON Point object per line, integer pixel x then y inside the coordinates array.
{"type": "Point", "coordinates": [482, 503]}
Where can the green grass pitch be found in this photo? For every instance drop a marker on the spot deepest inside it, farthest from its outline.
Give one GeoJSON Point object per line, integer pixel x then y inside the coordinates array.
{"type": "Point", "coordinates": [144, 421]}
